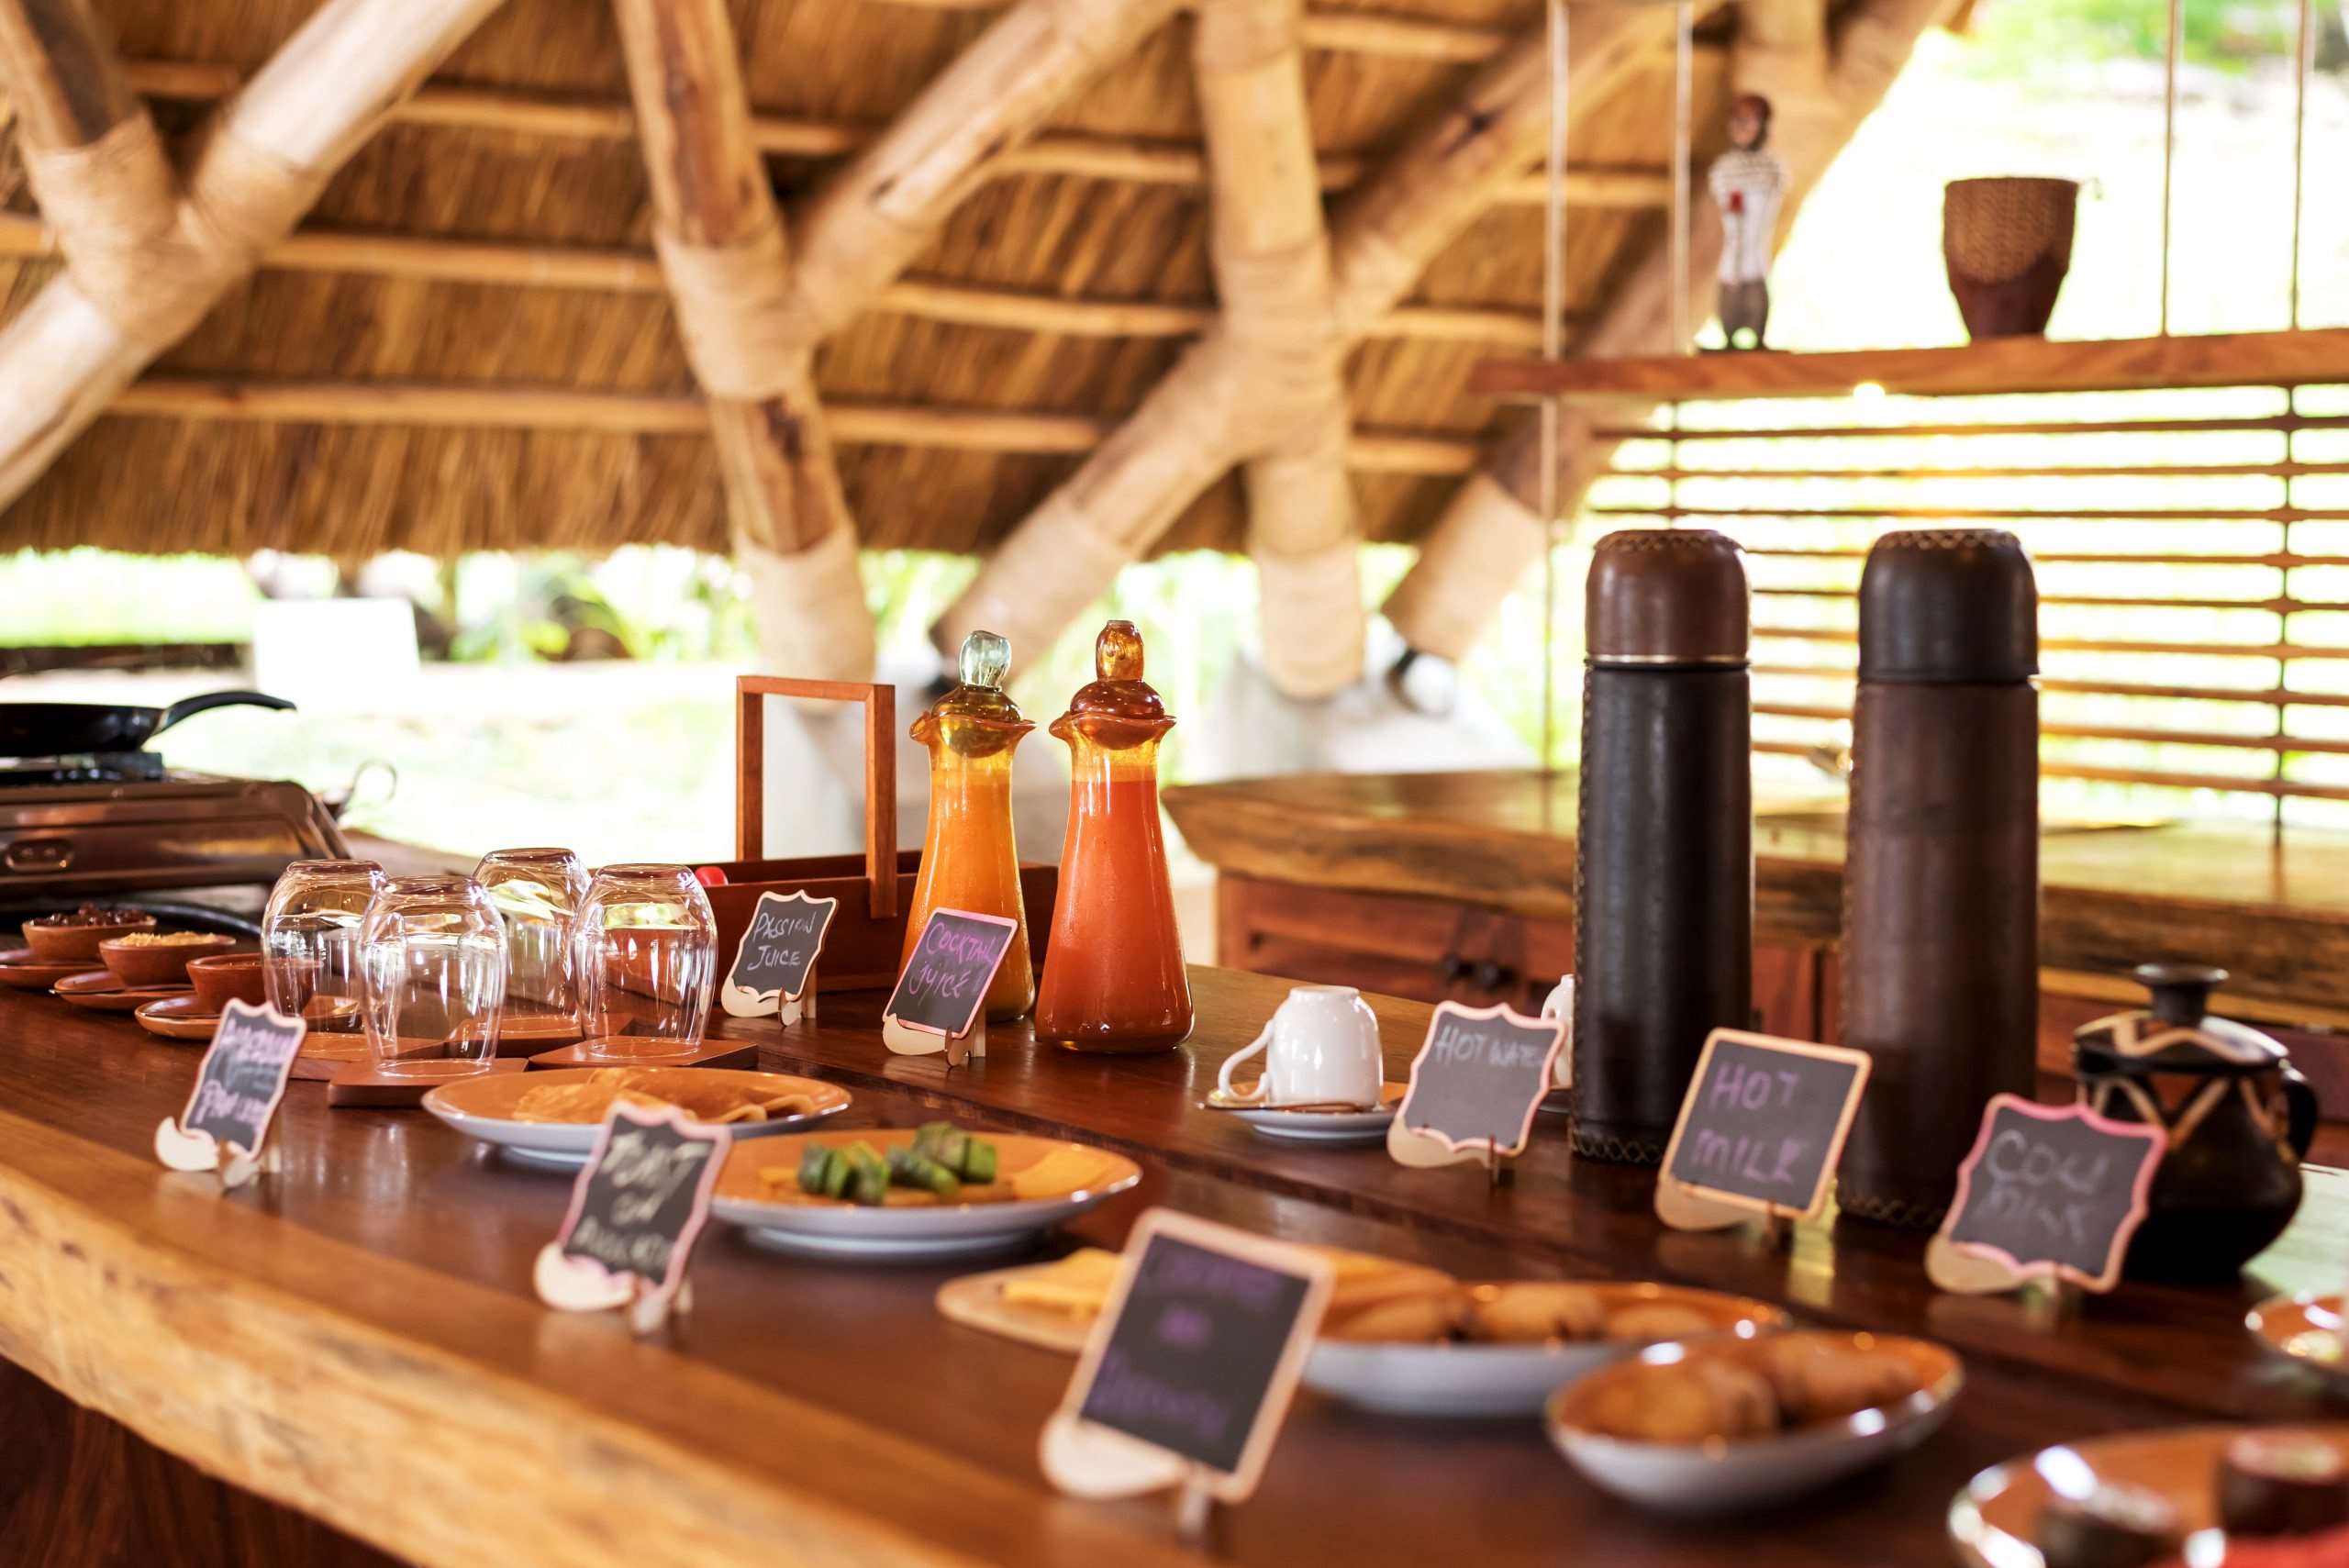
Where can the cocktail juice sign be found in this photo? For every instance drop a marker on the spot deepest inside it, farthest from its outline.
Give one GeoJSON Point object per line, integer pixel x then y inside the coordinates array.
{"type": "Point", "coordinates": [238, 1086]}
{"type": "Point", "coordinates": [936, 1004]}
{"type": "Point", "coordinates": [635, 1214]}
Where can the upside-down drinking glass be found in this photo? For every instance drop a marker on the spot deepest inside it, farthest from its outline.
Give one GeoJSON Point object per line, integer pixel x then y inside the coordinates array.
{"type": "Point", "coordinates": [537, 894]}
{"type": "Point", "coordinates": [644, 959]}
{"type": "Point", "coordinates": [309, 941]}
{"type": "Point", "coordinates": [433, 951]}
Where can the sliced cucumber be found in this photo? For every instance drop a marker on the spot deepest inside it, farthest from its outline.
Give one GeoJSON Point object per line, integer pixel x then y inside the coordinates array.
{"type": "Point", "coordinates": [812, 1167]}
{"type": "Point", "coordinates": [978, 1161]}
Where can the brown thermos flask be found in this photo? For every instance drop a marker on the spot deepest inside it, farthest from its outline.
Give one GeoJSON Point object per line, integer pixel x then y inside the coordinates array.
{"type": "Point", "coordinates": [1663, 856]}
{"type": "Point", "coordinates": [1940, 880]}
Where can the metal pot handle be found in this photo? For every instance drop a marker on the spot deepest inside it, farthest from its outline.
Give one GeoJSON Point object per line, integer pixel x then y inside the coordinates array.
{"type": "Point", "coordinates": [2301, 1108]}
{"type": "Point", "coordinates": [187, 706]}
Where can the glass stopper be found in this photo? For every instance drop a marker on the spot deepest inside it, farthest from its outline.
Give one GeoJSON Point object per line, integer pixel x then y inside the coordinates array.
{"type": "Point", "coordinates": [986, 656]}
{"type": "Point", "coordinates": [1116, 653]}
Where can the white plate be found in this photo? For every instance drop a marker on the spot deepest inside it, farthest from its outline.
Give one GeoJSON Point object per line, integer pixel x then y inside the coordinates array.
{"type": "Point", "coordinates": [1402, 1379]}
{"type": "Point", "coordinates": [1704, 1478]}
{"type": "Point", "coordinates": [474, 1106]}
{"type": "Point", "coordinates": [901, 1230]}
{"type": "Point", "coordinates": [2311, 1330]}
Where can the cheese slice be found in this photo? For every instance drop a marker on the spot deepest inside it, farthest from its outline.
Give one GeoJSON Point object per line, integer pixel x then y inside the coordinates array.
{"type": "Point", "coordinates": [1078, 1284]}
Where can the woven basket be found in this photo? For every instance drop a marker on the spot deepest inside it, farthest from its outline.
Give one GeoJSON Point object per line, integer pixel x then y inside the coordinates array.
{"type": "Point", "coordinates": [2007, 242]}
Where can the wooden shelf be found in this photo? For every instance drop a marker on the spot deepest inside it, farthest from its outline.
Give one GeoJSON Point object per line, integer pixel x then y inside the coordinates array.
{"type": "Point", "coordinates": [1997, 365]}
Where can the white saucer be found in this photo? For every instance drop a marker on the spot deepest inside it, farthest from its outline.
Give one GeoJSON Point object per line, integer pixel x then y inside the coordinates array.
{"type": "Point", "coordinates": [1314, 1126]}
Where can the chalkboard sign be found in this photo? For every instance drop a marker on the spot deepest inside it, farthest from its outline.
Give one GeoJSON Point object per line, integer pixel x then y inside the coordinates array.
{"type": "Point", "coordinates": [640, 1202]}
{"type": "Point", "coordinates": [2053, 1192]}
{"type": "Point", "coordinates": [237, 1088]}
{"type": "Point", "coordinates": [1199, 1349]}
{"type": "Point", "coordinates": [950, 969]}
{"type": "Point", "coordinates": [777, 951]}
{"type": "Point", "coordinates": [1765, 1121]}
{"type": "Point", "coordinates": [1479, 1076]}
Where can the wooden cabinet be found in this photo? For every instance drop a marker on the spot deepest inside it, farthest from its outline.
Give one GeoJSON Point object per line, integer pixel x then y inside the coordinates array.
{"type": "Point", "coordinates": [1433, 951]}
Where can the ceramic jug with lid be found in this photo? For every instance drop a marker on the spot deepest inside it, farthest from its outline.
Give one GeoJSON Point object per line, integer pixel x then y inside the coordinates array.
{"type": "Point", "coordinates": [2238, 1116]}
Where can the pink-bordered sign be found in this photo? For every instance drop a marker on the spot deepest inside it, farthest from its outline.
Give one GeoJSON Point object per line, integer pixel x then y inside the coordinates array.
{"type": "Point", "coordinates": [1480, 1072]}
{"type": "Point", "coordinates": [913, 1003]}
{"type": "Point", "coordinates": [238, 1086]}
{"type": "Point", "coordinates": [639, 1204]}
{"type": "Point", "coordinates": [2048, 1181]}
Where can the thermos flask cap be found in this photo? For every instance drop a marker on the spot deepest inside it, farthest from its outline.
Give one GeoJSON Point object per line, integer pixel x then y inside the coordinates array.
{"type": "Point", "coordinates": [1948, 605]}
{"type": "Point", "coordinates": [1666, 597]}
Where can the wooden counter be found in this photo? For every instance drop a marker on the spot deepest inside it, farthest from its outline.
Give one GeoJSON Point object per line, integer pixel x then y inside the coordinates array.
{"type": "Point", "coordinates": [2113, 897]}
{"type": "Point", "coordinates": [356, 1338]}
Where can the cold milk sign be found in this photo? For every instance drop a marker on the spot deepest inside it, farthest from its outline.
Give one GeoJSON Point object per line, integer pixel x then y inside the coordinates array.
{"type": "Point", "coordinates": [2049, 1193]}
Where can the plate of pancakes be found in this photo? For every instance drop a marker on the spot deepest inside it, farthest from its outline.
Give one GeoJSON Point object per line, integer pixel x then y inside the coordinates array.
{"type": "Point", "coordinates": [550, 1118]}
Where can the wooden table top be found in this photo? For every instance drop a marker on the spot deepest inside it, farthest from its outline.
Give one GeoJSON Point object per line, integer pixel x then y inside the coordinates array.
{"type": "Point", "coordinates": [2113, 897]}
{"type": "Point", "coordinates": [357, 1336]}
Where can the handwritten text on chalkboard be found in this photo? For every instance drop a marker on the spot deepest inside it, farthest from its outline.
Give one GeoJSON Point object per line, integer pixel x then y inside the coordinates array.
{"type": "Point", "coordinates": [1764, 1120]}
{"type": "Point", "coordinates": [2053, 1191]}
{"type": "Point", "coordinates": [1199, 1349]}
{"type": "Point", "coordinates": [1479, 1076]}
{"type": "Point", "coordinates": [644, 1196]}
{"type": "Point", "coordinates": [947, 976]}
{"type": "Point", "coordinates": [777, 951]}
{"type": "Point", "coordinates": [237, 1088]}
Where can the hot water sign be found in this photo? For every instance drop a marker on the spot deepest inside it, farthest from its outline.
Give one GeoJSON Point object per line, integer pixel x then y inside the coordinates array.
{"type": "Point", "coordinates": [2048, 1193]}
{"type": "Point", "coordinates": [1475, 1083]}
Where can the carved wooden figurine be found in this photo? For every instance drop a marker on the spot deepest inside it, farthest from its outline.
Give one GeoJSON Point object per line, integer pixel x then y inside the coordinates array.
{"type": "Point", "coordinates": [1749, 183]}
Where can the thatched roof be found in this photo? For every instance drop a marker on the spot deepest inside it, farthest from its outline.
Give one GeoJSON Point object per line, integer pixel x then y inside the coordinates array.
{"type": "Point", "coordinates": [322, 466]}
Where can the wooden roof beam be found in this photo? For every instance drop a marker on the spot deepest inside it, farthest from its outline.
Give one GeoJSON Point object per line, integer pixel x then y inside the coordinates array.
{"type": "Point", "coordinates": [1271, 255]}
{"type": "Point", "coordinates": [1491, 533]}
{"type": "Point", "coordinates": [89, 149]}
{"type": "Point", "coordinates": [257, 165]}
{"type": "Point", "coordinates": [1195, 424]}
{"type": "Point", "coordinates": [720, 238]}
{"type": "Point", "coordinates": [1140, 160]}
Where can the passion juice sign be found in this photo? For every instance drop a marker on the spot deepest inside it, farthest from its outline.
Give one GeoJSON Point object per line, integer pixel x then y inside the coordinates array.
{"type": "Point", "coordinates": [777, 952]}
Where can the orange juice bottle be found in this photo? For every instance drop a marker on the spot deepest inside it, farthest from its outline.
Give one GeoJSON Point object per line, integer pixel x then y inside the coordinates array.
{"type": "Point", "coordinates": [1113, 971]}
{"type": "Point", "coordinates": [968, 861]}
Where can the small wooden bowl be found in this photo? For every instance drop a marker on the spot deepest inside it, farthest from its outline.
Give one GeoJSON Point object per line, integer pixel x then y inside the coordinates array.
{"type": "Point", "coordinates": [223, 977]}
{"type": "Point", "coordinates": [67, 944]}
{"type": "Point", "coordinates": [157, 963]}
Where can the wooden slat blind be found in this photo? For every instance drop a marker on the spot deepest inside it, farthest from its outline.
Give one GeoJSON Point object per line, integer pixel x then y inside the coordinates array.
{"type": "Point", "coordinates": [2192, 550]}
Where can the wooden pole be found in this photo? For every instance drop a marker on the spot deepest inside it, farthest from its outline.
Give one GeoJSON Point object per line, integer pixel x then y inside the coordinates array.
{"type": "Point", "coordinates": [1200, 418]}
{"type": "Point", "coordinates": [254, 168]}
{"type": "Point", "coordinates": [440, 406]}
{"type": "Point", "coordinates": [1144, 160]}
{"type": "Point", "coordinates": [868, 222]}
{"type": "Point", "coordinates": [1272, 267]}
{"type": "Point", "coordinates": [596, 269]}
{"type": "Point", "coordinates": [719, 237]}
{"type": "Point", "coordinates": [90, 150]}
{"type": "Point", "coordinates": [1490, 533]}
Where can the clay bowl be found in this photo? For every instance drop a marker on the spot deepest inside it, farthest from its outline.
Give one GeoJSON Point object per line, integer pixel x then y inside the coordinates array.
{"type": "Point", "coordinates": [223, 977]}
{"type": "Point", "coordinates": [66, 944]}
{"type": "Point", "coordinates": [157, 963]}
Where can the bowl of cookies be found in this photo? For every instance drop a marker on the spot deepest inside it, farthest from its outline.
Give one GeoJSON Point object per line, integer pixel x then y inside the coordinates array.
{"type": "Point", "coordinates": [1705, 1428]}
{"type": "Point", "coordinates": [1501, 1348]}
